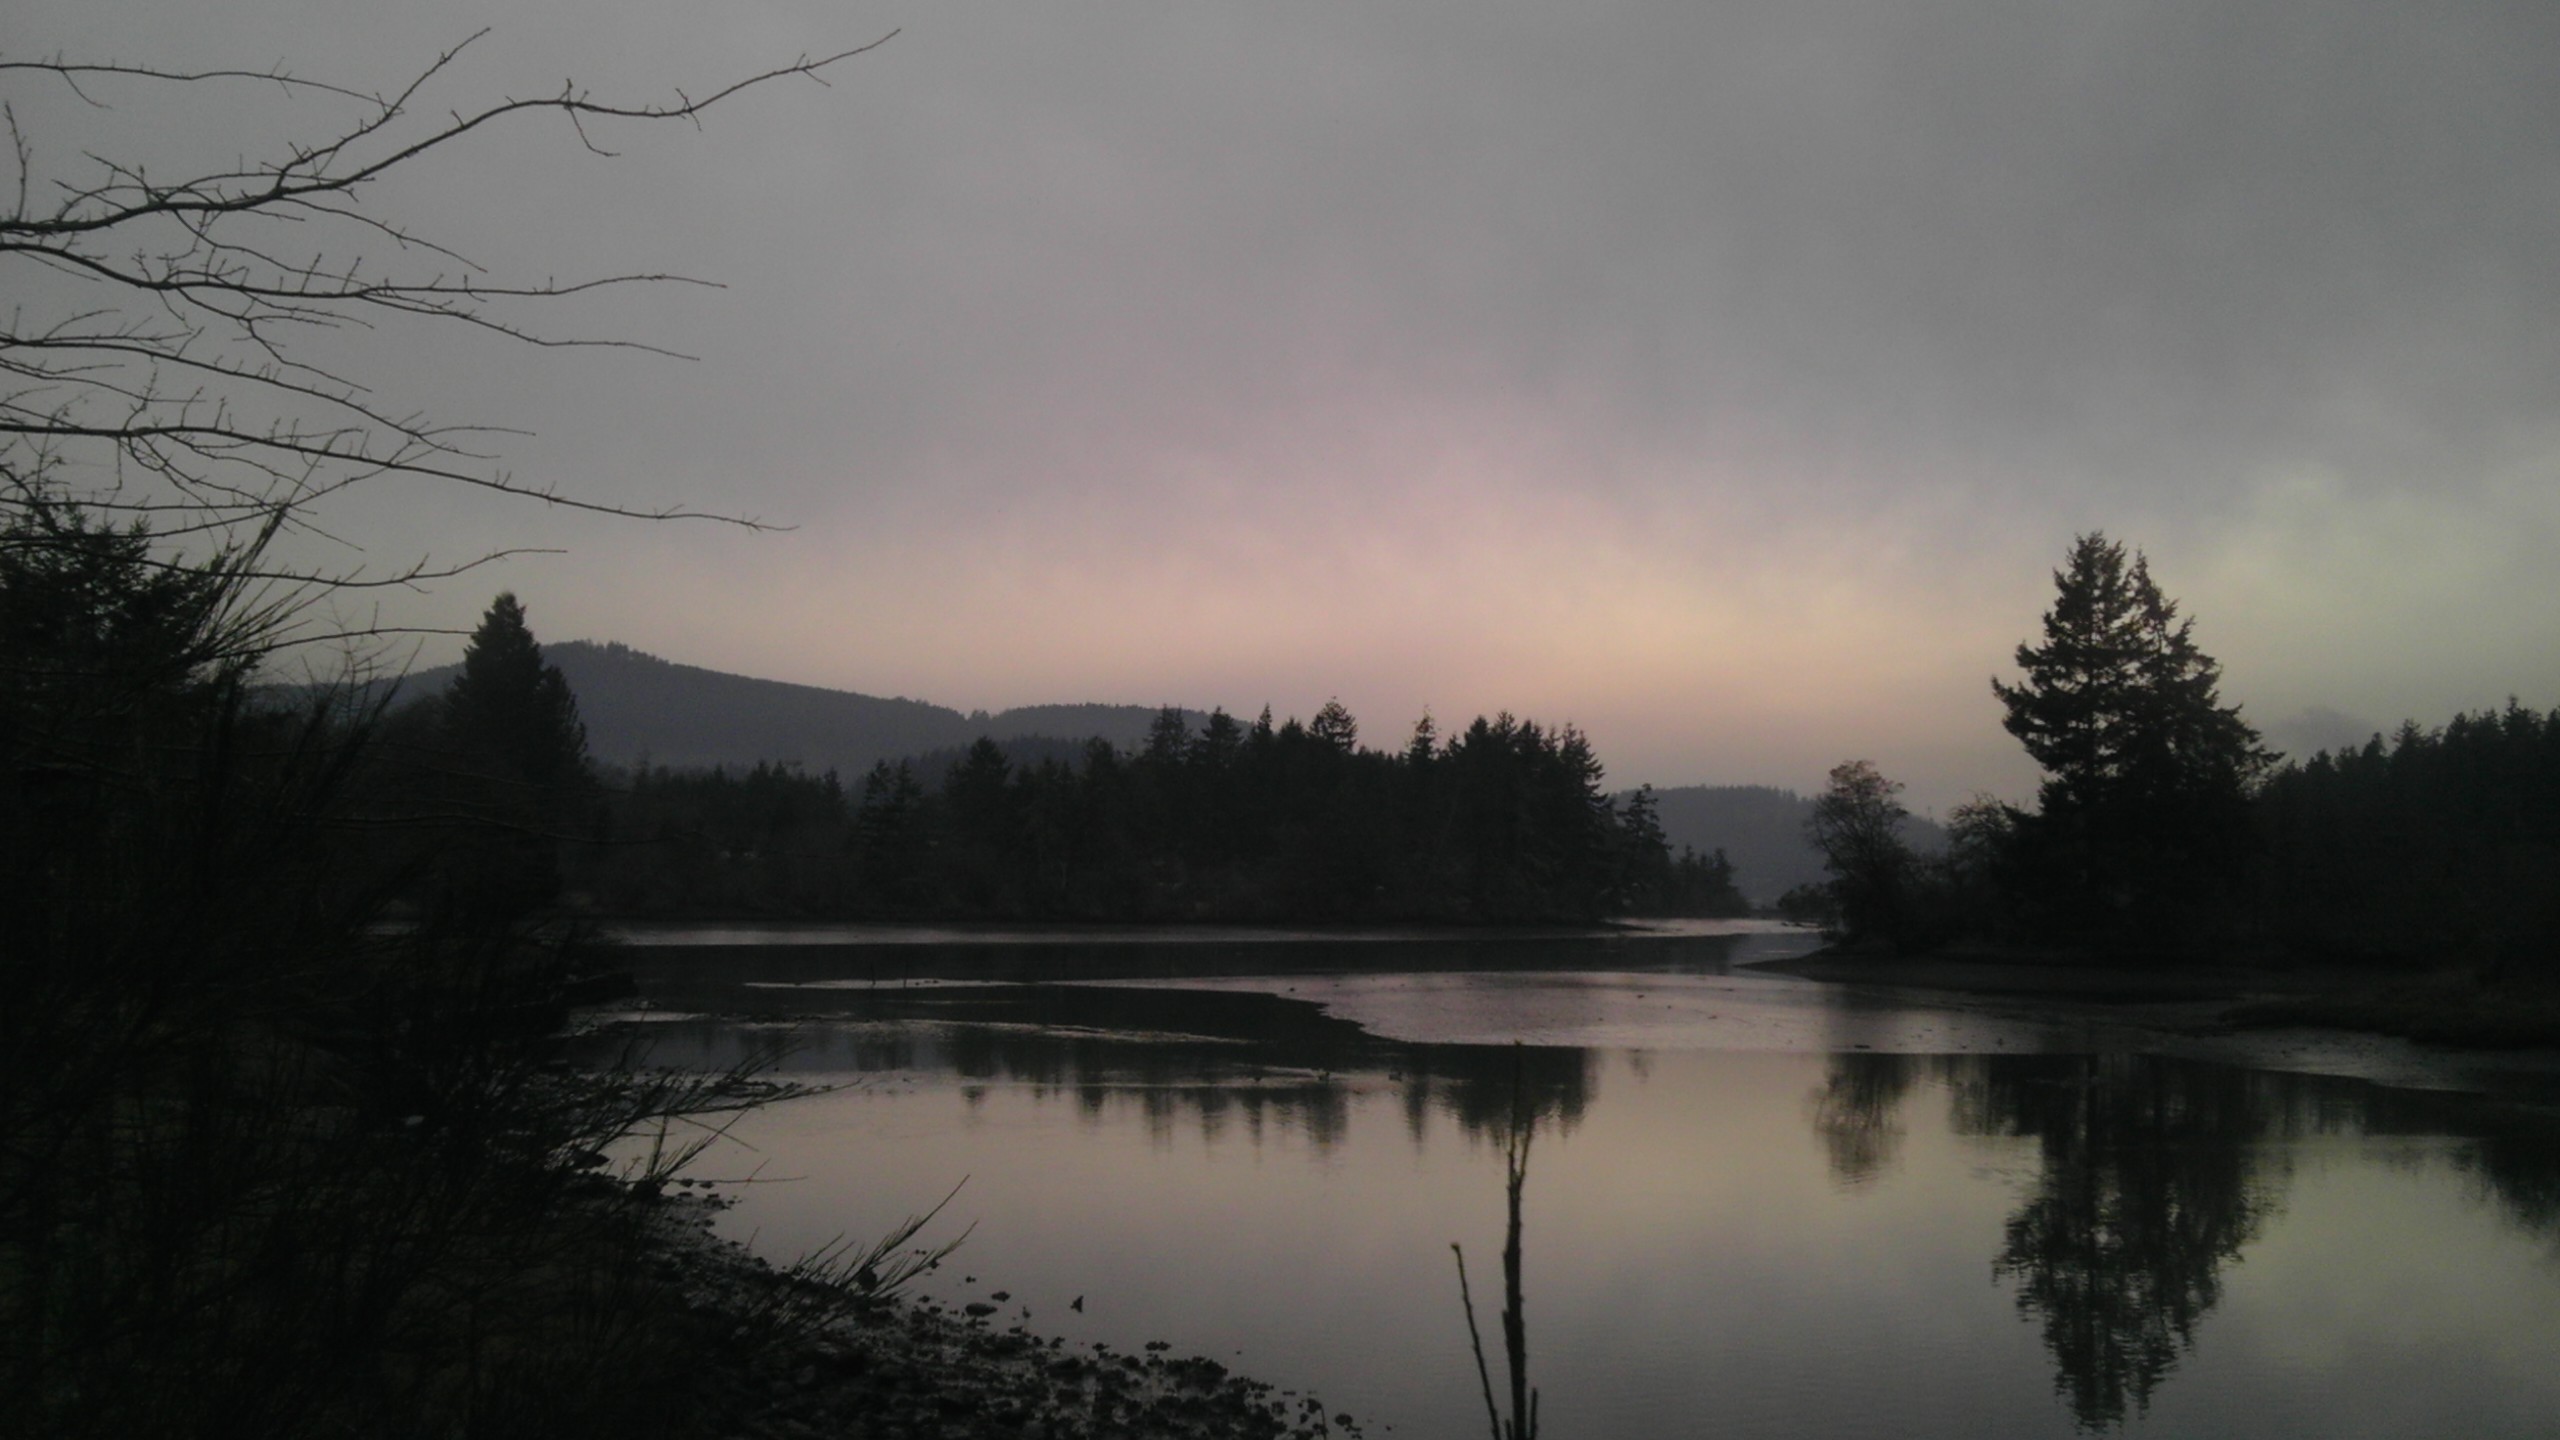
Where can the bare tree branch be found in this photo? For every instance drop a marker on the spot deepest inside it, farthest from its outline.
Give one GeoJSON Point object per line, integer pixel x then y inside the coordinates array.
{"type": "Point", "coordinates": [166, 382]}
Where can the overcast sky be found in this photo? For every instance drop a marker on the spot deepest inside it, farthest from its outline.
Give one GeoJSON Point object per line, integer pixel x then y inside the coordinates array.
{"type": "Point", "coordinates": [1724, 378]}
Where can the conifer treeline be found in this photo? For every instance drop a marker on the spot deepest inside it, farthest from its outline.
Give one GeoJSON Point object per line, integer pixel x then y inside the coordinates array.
{"type": "Point", "coordinates": [2441, 841]}
{"type": "Point", "coordinates": [1503, 822]}
{"type": "Point", "coordinates": [2164, 827]}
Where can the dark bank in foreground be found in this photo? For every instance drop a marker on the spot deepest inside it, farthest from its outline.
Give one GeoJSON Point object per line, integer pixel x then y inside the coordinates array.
{"type": "Point", "coordinates": [818, 1356]}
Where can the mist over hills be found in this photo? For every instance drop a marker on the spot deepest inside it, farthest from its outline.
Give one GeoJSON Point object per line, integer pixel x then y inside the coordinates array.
{"type": "Point", "coordinates": [639, 707]}
{"type": "Point", "coordinates": [1761, 829]}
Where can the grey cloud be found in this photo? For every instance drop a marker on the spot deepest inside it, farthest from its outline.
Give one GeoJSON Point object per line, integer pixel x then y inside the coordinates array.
{"type": "Point", "coordinates": [2089, 263]}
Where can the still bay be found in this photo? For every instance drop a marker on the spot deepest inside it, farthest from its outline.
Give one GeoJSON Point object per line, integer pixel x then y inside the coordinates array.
{"type": "Point", "coordinates": [1752, 1206]}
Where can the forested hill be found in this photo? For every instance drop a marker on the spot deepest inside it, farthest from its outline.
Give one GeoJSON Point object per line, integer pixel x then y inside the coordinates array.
{"type": "Point", "coordinates": [635, 704]}
{"type": "Point", "coordinates": [1762, 831]}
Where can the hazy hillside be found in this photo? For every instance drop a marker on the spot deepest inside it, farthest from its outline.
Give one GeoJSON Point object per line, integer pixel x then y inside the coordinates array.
{"type": "Point", "coordinates": [636, 705]}
{"type": "Point", "coordinates": [1761, 830]}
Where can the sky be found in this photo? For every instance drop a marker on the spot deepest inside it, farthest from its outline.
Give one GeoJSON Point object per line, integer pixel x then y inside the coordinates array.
{"type": "Point", "coordinates": [1725, 379]}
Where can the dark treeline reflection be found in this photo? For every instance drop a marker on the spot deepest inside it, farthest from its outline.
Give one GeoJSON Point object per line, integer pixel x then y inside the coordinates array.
{"type": "Point", "coordinates": [1225, 1063]}
{"type": "Point", "coordinates": [2154, 1174]}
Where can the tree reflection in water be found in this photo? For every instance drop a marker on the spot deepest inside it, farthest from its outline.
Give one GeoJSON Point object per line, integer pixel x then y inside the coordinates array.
{"type": "Point", "coordinates": [2149, 1184]}
{"type": "Point", "coordinates": [2521, 1164]}
{"type": "Point", "coordinates": [1519, 1130]}
{"type": "Point", "coordinates": [2152, 1174]}
{"type": "Point", "coordinates": [1857, 1112]}
{"type": "Point", "coordinates": [2148, 1188]}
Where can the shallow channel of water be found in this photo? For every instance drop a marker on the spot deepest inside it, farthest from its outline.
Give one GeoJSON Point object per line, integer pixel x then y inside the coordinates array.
{"type": "Point", "coordinates": [1752, 1206]}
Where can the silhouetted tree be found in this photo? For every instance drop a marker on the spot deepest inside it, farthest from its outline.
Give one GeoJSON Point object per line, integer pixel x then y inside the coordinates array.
{"type": "Point", "coordinates": [1221, 739]}
{"type": "Point", "coordinates": [1854, 824]}
{"type": "Point", "coordinates": [518, 768]}
{"type": "Point", "coordinates": [267, 1166]}
{"type": "Point", "coordinates": [889, 839]}
{"type": "Point", "coordinates": [982, 810]}
{"type": "Point", "coordinates": [1334, 726]}
{"type": "Point", "coordinates": [2142, 818]}
{"type": "Point", "coordinates": [92, 619]}
{"type": "Point", "coordinates": [510, 714]}
{"type": "Point", "coordinates": [151, 335]}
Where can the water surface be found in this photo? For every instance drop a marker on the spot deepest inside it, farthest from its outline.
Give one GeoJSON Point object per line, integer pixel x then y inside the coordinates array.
{"type": "Point", "coordinates": [1753, 1206]}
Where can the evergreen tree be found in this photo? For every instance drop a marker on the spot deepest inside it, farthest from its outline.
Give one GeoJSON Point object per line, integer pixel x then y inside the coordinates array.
{"type": "Point", "coordinates": [511, 715]}
{"type": "Point", "coordinates": [1334, 726]}
{"type": "Point", "coordinates": [2147, 773]}
{"type": "Point", "coordinates": [513, 729]}
{"type": "Point", "coordinates": [1168, 738]}
{"type": "Point", "coordinates": [1425, 744]}
{"type": "Point", "coordinates": [889, 839]}
{"type": "Point", "coordinates": [1220, 741]}
{"type": "Point", "coordinates": [1645, 867]}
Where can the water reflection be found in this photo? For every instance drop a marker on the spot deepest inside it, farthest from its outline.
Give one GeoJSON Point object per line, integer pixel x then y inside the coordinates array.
{"type": "Point", "coordinates": [1857, 1113]}
{"type": "Point", "coordinates": [2149, 1186]}
{"type": "Point", "coordinates": [1212, 1061]}
{"type": "Point", "coordinates": [2153, 1174]}
{"type": "Point", "coordinates": [2522, 1169]}
{"type": "Point", "coordinates": [1519, 1129]}
{"type": "Point", "coordinates": [1829, 1240]}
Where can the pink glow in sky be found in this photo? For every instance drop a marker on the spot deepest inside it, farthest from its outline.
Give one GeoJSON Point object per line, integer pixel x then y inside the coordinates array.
{"type": "Point", "coordinates": [1725, 380]}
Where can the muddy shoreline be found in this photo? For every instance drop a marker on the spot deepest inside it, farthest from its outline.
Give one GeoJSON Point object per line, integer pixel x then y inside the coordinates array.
{"type": "Point", "coordinates": [855, 1368]}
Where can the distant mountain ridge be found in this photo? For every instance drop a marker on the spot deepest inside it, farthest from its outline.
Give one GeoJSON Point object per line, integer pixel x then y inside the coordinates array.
{"type": "Point", "coordinates": [639, 707]}
{"type": "Point", "coordinates": [1761, 829]}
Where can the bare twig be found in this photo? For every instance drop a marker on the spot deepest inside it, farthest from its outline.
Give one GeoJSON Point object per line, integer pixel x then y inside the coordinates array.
{"type": "Point", "coordinates": [181, 396]}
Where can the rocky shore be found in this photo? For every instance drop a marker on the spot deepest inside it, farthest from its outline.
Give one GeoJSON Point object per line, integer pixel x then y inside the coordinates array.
{"type": "Point", "coordinates": [817, 1361]}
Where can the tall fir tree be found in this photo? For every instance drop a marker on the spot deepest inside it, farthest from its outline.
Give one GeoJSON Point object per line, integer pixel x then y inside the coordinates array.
{"type": "Point", "coordinates": [512, 726]}
{"type": "Point", "coordinates": [510, 714]}
{"type": "Point", "coordinates": [2143, 816]}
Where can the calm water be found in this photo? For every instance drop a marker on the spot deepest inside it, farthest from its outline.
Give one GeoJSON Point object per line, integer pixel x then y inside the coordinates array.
{"type": "Point", "coordinates": [1753, 1206]}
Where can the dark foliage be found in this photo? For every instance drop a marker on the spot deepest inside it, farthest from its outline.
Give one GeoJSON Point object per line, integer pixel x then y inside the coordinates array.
{"type": "Point", "coordinates": [2438, 845]}
{"type": "Point", "coordinates": [501, 757]}
{"type": "Point", "coordinates": [1661, 883]}
{"type": "Point", "coordinates": [1290, 822]}
{"type": "Point", "coordinates": [1856, 824]}
{"type": "Point", "coordinates": [276, 1157]}
{"type": "Point", "coordinates": [266, 1165]}
{"type": "Point", "coordinates": [510, 717]}
{"type": "Point", "coordinates": [2163, 827]}
{"type": "Point", "coordinates": [2142, 828]}
{"type": "Point", "coordinates": [1760, 829]}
